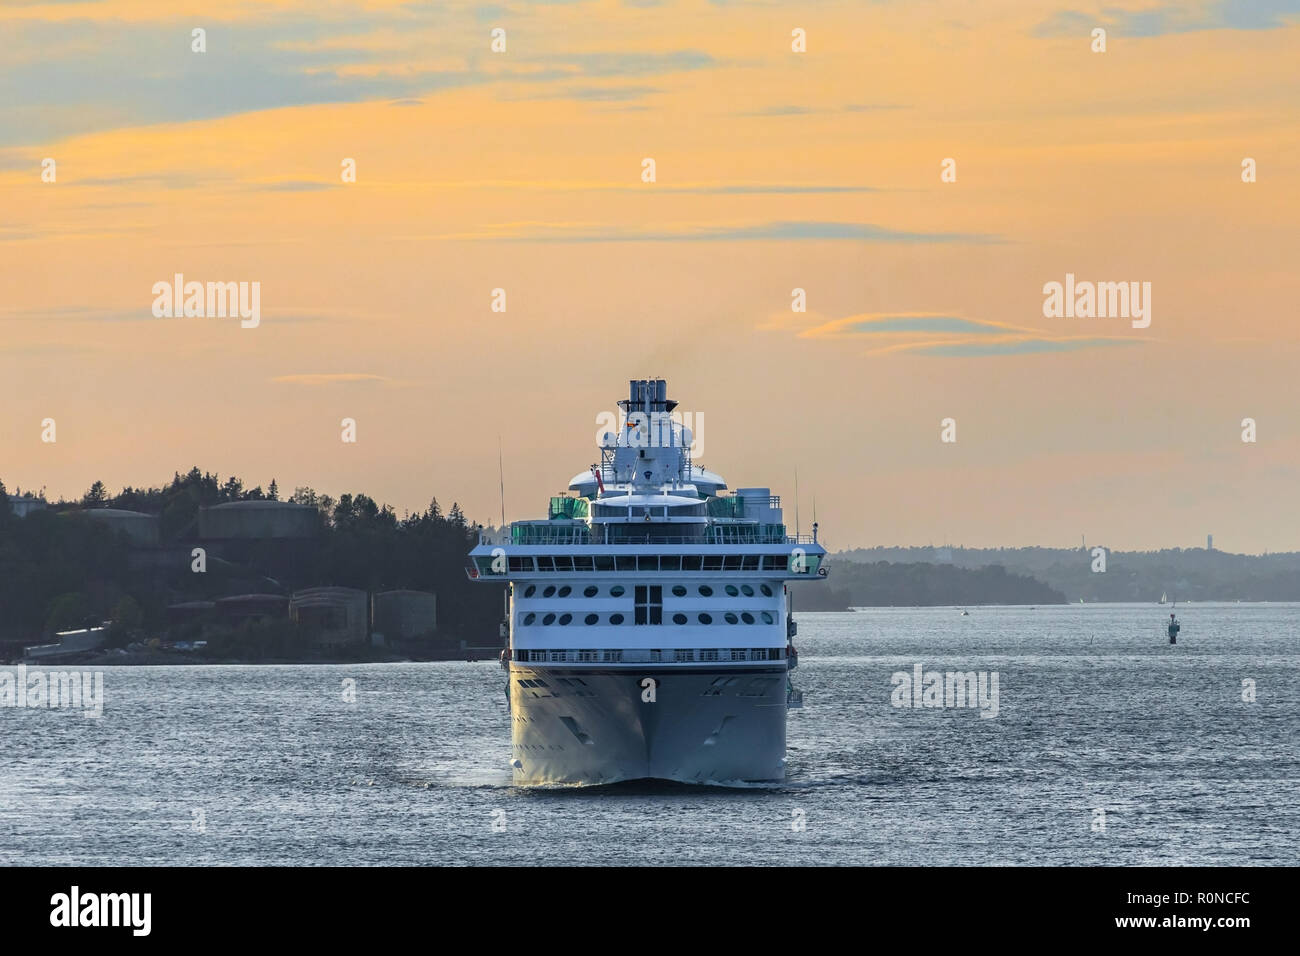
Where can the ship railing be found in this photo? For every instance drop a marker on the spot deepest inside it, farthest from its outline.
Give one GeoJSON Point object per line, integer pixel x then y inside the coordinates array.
{"type": "Point", "coordinates": [643, 655]}
{"type": "Point", "coordinates": [535, 535]}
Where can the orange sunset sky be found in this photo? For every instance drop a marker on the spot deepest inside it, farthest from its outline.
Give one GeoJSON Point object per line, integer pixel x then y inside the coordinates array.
{"type": "Point", "coordinates": [775, 170]}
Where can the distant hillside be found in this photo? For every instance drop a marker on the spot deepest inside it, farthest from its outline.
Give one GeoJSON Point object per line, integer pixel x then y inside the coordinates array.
{"type": "Point", "coordinates": [1193, 574]}
{"type": "Point", "coordinates": [884, 584]}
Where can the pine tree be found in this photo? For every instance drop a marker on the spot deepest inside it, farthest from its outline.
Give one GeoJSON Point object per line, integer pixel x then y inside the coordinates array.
{"type": "Point", "coordinates": [273, 492]}
{"type": "Point", "coordinates": [96, 496]}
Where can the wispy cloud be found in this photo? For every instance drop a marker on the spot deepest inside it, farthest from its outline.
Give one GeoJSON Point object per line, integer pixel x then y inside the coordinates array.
{"type": "Point", "coordinates": [333, 378]}
{"type": "Point", "coordinates": [292, 186]}
{"type": "Point", "coordinates": [759, 232]}
{"type": "Point", "coordinates": [76, 84]}
{"type": "Point", "coordinates": [953, 336]}
{"type": "Point", "coordinates": [1183, 18]}
{"type": "Point", "coordinates": [794, 110]}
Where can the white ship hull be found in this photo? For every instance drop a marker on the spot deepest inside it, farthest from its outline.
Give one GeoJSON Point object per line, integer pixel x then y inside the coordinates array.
{"type": "Point", "coordinates": [706, 725]}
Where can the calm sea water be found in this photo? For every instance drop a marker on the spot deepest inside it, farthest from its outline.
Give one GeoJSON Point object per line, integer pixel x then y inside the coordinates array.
{"type": "Point", "coordinates": [260, 765]}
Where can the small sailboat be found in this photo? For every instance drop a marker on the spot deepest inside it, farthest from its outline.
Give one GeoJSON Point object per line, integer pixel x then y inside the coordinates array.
{"type": "Point", "coordinates": [1164, 597]}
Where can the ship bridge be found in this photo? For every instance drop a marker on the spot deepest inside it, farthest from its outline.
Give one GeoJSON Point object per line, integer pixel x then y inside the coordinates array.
{"type": "Point", "coordinates": [646, 490]}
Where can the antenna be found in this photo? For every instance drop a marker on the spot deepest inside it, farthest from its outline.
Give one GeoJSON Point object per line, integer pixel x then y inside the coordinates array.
{"type": "Point", "coordinates": [501, 472]}
{"type": "Point", "coordinates": [796, 503]}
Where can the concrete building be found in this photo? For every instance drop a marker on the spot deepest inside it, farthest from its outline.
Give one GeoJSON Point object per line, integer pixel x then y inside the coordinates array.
{"type": "Point", "coordinates": [254, 608]}
{"type": "Point", "coordinates": [331, 616]}
{"type": "Point", "coordinates": [400, 615]}
{"type": "Point", "coordinates": [24, 504]}
{"type": "Point", "coordinates": [141, 528]}
{"type": "Point", "coordinates": [69, 643]}
{"type": "Point", "coordinates": [258, 519]}
{"type": "Point", "coordinates": [190, 612]}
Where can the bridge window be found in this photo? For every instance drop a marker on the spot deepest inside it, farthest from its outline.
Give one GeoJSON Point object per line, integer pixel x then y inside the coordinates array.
{"type": "Point", "coordinates": [649, 604]}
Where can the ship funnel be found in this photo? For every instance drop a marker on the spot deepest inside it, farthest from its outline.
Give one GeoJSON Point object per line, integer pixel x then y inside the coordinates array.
{"type": "Point", "coordinates": [648, 395]}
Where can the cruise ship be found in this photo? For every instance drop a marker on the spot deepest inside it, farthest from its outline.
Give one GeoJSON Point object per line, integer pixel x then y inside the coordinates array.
{"type": "Point", "coordinates": [649, 626]}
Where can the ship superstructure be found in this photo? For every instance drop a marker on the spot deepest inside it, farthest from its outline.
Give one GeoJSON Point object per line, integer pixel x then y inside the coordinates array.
{"type": "Point", "coordinates": [649, 622]}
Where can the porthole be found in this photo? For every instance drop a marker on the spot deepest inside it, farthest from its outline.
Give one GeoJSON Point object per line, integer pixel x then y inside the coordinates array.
{"type": "Point", "coordinates": [566, 618]}
{"type": "Point", "coordinates": [565, 591]}
{"type": "Point", "coordinates": [767, 618]}
{"type": "Point", "coordinates": [679, 590]}
{"type": "Point", "coordinates": [746, 590]}
{"type": "Point", "coordinates": [767, 591]}
{"type": "Point", "coordinates": [530, 590]}
{"type": "Point", "coordinates": [733, 591]}
{"type": "Point", "coordinates": [592, 619]}
{"type": "Point", "coordinates": [679, 618]}
{"type": "Point", "coordinates": [529, 618]}
{"type": "Point", "coordinates": [706, 591]}
{"type": "Point", "coordinates": [550, 591]}
{"type": "Point", "coordinates": [590, 591]}
{"type": "Point", "coordinates": [706, 619]}
{"type": "Point", "coordinates": [616, 591]}
{"type": "Point", "coordinates": [548, 620]}
{"type": "Point", "coordinates": [616, 619]}
{"type": "Point", "coordinates": [732, 619]}
{"type": "Point", "coordinates": [747, 617]}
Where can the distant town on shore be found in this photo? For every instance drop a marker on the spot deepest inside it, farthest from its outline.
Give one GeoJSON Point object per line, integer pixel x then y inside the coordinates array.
{"type": "Point", "coordinates": [201, 569]}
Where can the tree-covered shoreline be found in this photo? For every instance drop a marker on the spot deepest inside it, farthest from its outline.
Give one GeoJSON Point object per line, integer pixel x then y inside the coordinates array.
{"type": "Point", "coordinates": [57, 572]}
